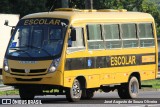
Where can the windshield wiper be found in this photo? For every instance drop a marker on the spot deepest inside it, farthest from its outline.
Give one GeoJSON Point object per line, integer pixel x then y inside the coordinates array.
{"type": "Point", "coordinates": [31, 46]}
{"type": "Point", "coordinates": [21, 51]}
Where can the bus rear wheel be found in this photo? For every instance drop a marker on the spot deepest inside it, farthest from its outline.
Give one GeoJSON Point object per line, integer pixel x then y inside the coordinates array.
{"type": "Point", "coordinates": [26, 94]}
{"type": "Point", "coordinates": [74, 93]}
{"type": "Point", "coordinates": [129, 90]}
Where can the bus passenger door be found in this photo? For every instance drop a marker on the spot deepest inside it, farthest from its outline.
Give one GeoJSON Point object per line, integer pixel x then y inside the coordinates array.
{"type": "Point", "coordinates": [75, 60]}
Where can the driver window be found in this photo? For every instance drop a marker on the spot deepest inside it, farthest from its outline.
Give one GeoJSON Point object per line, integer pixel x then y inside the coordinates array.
{"type": "Point", "coordinates": [79, 43]}
{"type": "Point", "coordinates": [21, 38]}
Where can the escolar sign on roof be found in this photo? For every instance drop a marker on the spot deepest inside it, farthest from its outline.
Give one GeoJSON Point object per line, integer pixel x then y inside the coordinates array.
{"type": "Point", "coordinates": [43, 21]}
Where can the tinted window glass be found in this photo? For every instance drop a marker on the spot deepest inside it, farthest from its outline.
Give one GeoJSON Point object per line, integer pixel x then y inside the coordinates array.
{"type": "Point", "coordinates": [94, 37]}
{"type": "Point", "coordinates": [79, 43]}
{"type": "Point", "coordinates": [128, 31]}
{"type": "Point", "coordinates": [79, 38]}
{"type": "Point", "coordinates": [111, 34]}
{"type": "Point", "coordinates": [145, 30]}
{"type": "Point", "coordinates": [94, 32]}
{"type": "Point", "coordinates": [111, 31]}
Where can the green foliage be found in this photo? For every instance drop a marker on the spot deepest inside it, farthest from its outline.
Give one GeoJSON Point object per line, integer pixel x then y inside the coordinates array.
{"type": "Point", "coordinates": [22, 7]}
{"type": "Point", "coordinates": [9, 92]}
{"type": "Point", "coordinates": [152, 8]}
{"type": "Point", "coordinates": [5, 6]}
{"type": "Point", "coordinates": [80, 4]}
{"type": "Point", "coordinates": [117, 4]}
{"type": "Point", "coordinates": [155, 83]}
{"type": "Point", "coordinates": [31, 6]}
{"type": "Point", "coordinates": [157, 2]}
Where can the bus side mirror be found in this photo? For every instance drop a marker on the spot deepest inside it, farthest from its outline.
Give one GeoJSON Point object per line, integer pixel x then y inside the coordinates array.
{"type": "Point", "coordinates": [6, 22]}
{"type": "Point", "coordinates": [73, 35]}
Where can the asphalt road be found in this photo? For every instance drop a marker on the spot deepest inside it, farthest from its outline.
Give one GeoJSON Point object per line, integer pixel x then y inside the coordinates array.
{"type": "Point", "coordinates": [146, 99]}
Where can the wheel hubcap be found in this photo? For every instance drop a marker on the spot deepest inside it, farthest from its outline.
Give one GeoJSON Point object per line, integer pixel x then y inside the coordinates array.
{"type": "Point", "coordinates": [76, 93]}
{"type": "Point", "coordinates": [134, 88]}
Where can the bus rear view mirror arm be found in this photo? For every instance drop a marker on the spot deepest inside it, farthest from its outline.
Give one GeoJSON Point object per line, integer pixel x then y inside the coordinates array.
{"type": "Point", "coordinates": [7, 24]}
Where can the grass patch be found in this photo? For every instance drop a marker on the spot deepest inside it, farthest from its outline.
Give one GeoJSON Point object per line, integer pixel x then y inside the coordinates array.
{"type": "Point", "coordinates": [9, 92]}
{"type": "Point", "coordinates": [155, 83]}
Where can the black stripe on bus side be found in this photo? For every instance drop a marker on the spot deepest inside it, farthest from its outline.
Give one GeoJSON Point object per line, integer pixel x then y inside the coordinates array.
{"type": "Point", "coordinates": [108, 61]}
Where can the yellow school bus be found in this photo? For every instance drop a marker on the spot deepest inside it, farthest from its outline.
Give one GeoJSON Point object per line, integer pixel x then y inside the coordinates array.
{"type": "Point", "coordinates": [77, 52]}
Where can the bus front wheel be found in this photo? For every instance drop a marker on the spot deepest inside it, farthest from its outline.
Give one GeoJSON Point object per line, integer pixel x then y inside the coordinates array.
{"type": "Point", "coordinates": [87, 94]}
{"type": "Point", "coordinates": [74, 93]}
{"type": "Point", "coordinates": [129, 90]}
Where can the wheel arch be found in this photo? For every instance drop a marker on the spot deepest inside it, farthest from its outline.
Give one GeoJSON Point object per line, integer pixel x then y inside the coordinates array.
{"type": "Point", "coordinates": [82, 81]}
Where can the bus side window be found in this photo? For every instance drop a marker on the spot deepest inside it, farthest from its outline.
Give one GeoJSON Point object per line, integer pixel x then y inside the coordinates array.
{"type": "Point", "coordinates": [94, 34]}
{"type": "Point", "coordinates": [146, 35]}
{"type": "Point", "coordinates": [111, 34]}
{"type": "Point", "coordinates": [77, 44]}
{"type": "Point", "coordinates": [129, 35]}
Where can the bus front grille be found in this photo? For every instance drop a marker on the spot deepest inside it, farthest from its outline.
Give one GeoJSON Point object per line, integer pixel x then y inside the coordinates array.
{"type": "Point", "coordinates": [22, 71]}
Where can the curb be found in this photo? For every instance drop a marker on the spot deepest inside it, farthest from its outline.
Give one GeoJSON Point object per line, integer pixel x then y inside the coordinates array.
{"type": "Point", "coordinates": [6, 88]}
{"type": "Point", "coordinates": [149, 89]}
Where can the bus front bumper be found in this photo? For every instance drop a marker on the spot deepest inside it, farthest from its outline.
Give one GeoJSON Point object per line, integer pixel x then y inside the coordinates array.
{"type": "Point", "coordinates": [48, 79]}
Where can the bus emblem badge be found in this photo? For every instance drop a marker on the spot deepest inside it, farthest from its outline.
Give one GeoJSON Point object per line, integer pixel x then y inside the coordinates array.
{"type": "Point", "coordinates": [27, 71]}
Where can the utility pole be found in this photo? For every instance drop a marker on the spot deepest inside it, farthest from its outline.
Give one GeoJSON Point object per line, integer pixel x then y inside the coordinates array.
{"type": "Point", "coordinates": [89, 4]}
{"type": "Point", "coordinates": [64, 3]}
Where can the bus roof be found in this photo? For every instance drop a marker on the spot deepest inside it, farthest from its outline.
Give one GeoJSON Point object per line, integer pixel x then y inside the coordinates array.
{"type": "Point", "coordinates": [93, 15]}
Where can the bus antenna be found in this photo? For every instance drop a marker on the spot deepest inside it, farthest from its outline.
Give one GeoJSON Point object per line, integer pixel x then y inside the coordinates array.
{"type": "Point", "coordinates": [52, 6]}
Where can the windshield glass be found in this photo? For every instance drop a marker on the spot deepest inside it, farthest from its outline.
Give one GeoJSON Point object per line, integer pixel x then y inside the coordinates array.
{"type": "Point", "coordinates": [37, 39]}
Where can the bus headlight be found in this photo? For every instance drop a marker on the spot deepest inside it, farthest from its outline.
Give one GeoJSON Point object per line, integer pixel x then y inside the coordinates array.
{"type": "Point", "coordinates": [5, 65]}
{"type": "Point", "coordinates": [54, 65]}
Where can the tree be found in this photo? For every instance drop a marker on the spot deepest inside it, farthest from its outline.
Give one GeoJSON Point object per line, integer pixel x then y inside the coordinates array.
{"type": "Point", "coordinates": [79, 4]}
{"type": "Point", "coordinates": [5, 6]}
{"type": "Point", "coordinates": [24, 7]}
{"type": "Point", "coordinates": [88, 4]}
{"type": "Point", "coordinates": [152, 8]}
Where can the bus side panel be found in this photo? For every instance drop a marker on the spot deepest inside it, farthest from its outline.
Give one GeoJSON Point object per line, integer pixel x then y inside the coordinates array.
{"type": "Point", "coordinates": [122, 74]}
{"type": "Point", "coordinates": [92, 79]}
{"type": "Point", "coordinates": [148, 72]}
{"type": "Point", "coordinates": [113, 75]}
{"type": "Point", "coordinates": [97, 77]}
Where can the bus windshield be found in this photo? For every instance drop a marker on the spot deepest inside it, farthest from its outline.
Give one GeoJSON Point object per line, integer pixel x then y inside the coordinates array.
{"type": "Point", "coordinates": [36, 42]}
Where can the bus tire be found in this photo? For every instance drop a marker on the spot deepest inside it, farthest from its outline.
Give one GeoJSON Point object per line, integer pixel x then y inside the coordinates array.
{"type": "Point", "coordinates": [129, 90]}
{"type": "Point", "coordinates": [122, 91]}
{"type": "Point", "coordinates": [88, 94]}
{"type": "Point", "coordinates": [74, 93]}
{"type": "Point", "coordinates": [133, 87]}
{"type": "Point", "coordinates": [26, 94]}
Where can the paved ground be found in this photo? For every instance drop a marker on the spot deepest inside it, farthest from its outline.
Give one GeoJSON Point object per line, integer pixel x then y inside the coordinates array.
{"type": "Point", "coordinates": [100, 99]}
